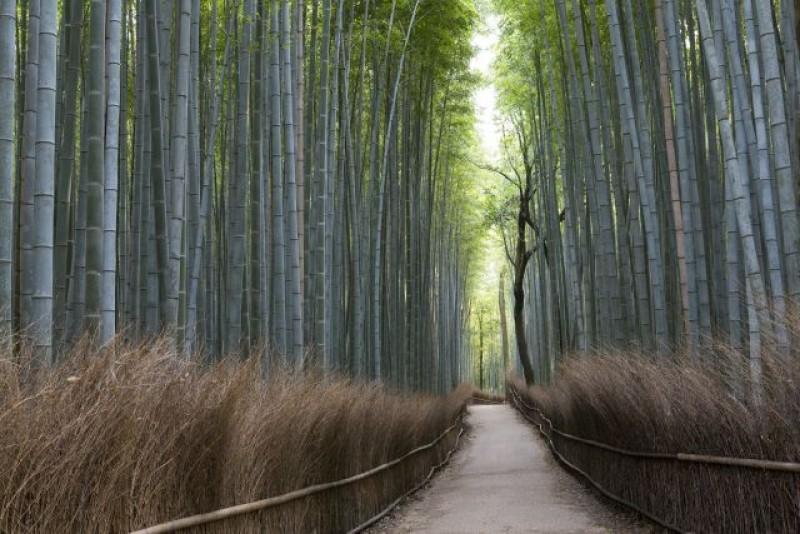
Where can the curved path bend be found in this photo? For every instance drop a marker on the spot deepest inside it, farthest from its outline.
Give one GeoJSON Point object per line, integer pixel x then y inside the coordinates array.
{"type": "Point", "coordinates": [504, 480]}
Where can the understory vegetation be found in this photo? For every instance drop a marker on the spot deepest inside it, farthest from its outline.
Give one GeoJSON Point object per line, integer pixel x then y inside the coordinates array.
{"type": "Point", "coordinates": [133, 435]}
{"type": "Point", "coordinates": [705, 406]}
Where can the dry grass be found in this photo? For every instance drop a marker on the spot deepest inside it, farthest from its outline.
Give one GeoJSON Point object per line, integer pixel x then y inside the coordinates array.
{"type": "Point", "coordinates": [643, 403]}
{"type": "Point", "coordinates": [133, 436]}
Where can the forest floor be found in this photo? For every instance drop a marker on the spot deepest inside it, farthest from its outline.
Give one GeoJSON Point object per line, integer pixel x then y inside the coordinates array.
{"type": "Point", "coordinates": [504, 480]}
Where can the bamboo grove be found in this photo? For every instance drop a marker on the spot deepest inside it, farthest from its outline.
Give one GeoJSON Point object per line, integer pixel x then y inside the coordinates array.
{"type": "Point", "coordinates": [655, 146]}
{"type": "Point", "coordinates": [279, 178]}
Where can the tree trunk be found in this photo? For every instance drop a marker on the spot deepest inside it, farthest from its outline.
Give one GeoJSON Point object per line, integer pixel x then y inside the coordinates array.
{"type": "Point", "coordinates": [521, 259]}
{"type": "Point", "coordinates": [112, 171]}
{"type": "Point", "coordinates": [503, 323]}
{"type": "Point", "coordinates": [44, 192]}
{"type": "Point", "coordinates": [65, 171]}
{"type": "Point", "coordinates": [480, 350]}
{"type": "Point", "coordinates": [28, 166]}
{"type": "Point", "coordinates": [8, 89]}
{"type": "Point", "coordinates": [234, 325]}
{"type": "Point", "coordinates": [95, 168]}
{"type": "Point", "coordinates": [167, 298]}
{"type": "Point", "coordinates": [178, 151]}
{"type": "Point", "coordinates": [295, 343]}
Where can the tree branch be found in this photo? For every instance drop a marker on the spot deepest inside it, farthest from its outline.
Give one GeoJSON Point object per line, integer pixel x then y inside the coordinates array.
{"type": "Point", "coordinates": [492, 168]}
{"type": "Point", "coordinates": [505, 247]}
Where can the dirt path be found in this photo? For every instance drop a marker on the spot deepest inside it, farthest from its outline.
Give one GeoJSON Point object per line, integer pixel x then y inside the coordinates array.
{"type": "Point", "coordinates": [504, 480]}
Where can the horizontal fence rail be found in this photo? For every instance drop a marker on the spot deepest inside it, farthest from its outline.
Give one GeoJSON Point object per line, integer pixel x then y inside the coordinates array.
{"type": "Point", "coordinates": [519, 403]}
{"type": "Point", "coordinates": [548, 430]}
{"type": "Point", "coordinates": [750, 463]}
{"type": "Point", "coordinates": [383, 513]}
{"type": "Point", "coordinates": [271, 502]}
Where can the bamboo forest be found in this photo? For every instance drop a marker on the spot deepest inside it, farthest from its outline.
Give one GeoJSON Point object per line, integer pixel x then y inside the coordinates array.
{"type": "Point", "coordinates": [271, 265]}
